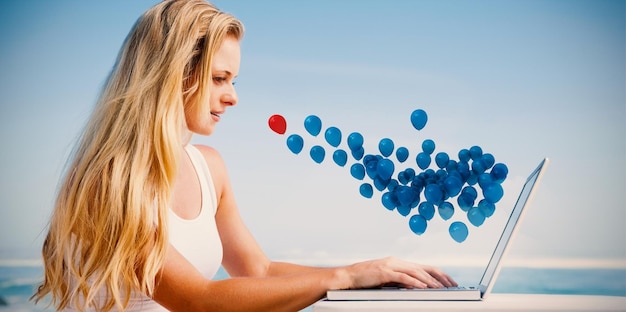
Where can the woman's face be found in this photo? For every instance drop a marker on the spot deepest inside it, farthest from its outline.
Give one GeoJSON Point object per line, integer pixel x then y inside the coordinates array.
{"type": "Point", "coordinates": [224, 68]}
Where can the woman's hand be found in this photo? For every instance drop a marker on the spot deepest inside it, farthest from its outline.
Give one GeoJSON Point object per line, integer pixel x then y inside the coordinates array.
{"type": "Point", "coordinates": [395, 271]}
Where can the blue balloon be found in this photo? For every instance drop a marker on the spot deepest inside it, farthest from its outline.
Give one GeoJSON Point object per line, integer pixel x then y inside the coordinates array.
{"type": "Point", "coordinates": [381, 184]}
{"type": "Point", "coordinates": [313, 125]}
{"type": "Point", "coordinates": [452, 184]}
{"type": "Point", "coordinates": [486, 208]}
{"type": "Point", "coordinates": [385, 146]}
{"type": "Point", "coordinates": [371, 168]}
{"type": "Point", "coordinates": [340, 157]}
{"type": "Point", "coordinates": [475, 152]}
{"type": "Point", "coordinates": [488, 160]}
{"type": "Point", "coordinates": [404, 210]}
{"type": "Point", "coordinates": [427, 210]}
{"type": "Point", "coordinates": [355, 141]}
{"type": "Point", "coordinates": [446, 210]}
{"type": "Point", "coordinates": [433, 193]}
{"type": "Point", "coordinates": [385, 168]}
{"type": "Point", "coordinates": [499, 172]}
{"type": "Point", "coordinates": [402, 153]}
{"type": "Point", "coordinates": [333, 136]}
{"type": "Point", "coordinates": [428, 146]}
{"type": "Point", "coordinates": [404, 195]}
{"type": "Point", "coordinates": [423, 160]}
{"type": "Point", "coordinates": [484, 179]}
{"type": "Point", "coordinates": [317, 153]}
{"type": "Point", "coordinates": [357, 154]}
{"type": "Point", "coordinates": [465, 201]}
{"type": "Point", "coordinates": [295, 143]}
{"type": "Point", "coordinates": [458, 231]}
{"type": "Point", "coordinates": [475, 216]}
{"type": "Point", "coordinates": [406, 176]}
{"type": "Point", "coordinates": [357, 171]}
{"type": "Point", "coordinates": [464, 155]}
{"type": "Point", "coordinates": [419, 119]}
{"type": "Point", "coordinates": [388, 201]}
{"type": "Point", "coordinates": [392, 185]}
{"type": "Point", "coordinates": [493, 192]}
{"type": "Point", "coordinates": [418, 224]}
{"type": "Point", "coordinates": [366, 190]}
{"type": "Point", "coordinates": [470, 191]}
{"type": "Point", "coordinates": [478, 166]}
{"type": "Point", "coordinates": [441, 159]}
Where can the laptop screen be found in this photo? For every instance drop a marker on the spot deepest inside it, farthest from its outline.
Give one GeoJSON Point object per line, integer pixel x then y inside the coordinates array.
{"type": "Point", "coordinates": [493, 266]}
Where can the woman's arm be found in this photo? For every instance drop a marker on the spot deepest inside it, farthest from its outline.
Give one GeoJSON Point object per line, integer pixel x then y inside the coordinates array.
{"type": "Point", "coordinates": [258, 284]}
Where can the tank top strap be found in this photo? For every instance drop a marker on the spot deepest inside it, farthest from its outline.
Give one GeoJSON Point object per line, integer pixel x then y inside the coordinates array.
{"type": "Point", "coordinates": [206, 181]}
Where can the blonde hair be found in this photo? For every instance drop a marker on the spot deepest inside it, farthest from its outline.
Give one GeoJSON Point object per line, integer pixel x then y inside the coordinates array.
{"type": "Point", "coordinates": [108, 230]}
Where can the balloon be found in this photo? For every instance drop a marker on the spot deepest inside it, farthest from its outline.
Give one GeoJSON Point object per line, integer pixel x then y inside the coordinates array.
{"type": "Point", "coordinates": [313, 125]}
{"type": "Point", "coordinates": [393, 184]}
{"type": "Point", "coordinates": [470, 191]}
{"type": "Point", "coordinates": [317, 153]}
{"type": "Point", "coordinates": [381, 184]}
{"type": "Point", "coordinates": [278, 124]}
{"type": "Point", "coordinates": [499, 172]}
{"type": "Point", "coordinates": [295, 143]}
{"type": "Point", "coordinates": [446, 210]}
{"type": "Point", "coordinates": [458, 231]}
{"type": "Point", "coordinates": [427, 210]}
{"type": "Point", "coordinates": [355, 141]}
{"type": "Point", "coordinates": [465, 201]}
{"type": "Point", "coordinates": [464, 155]}
{"type": "Point", "coordinates": [419, 119]}
{"type": "Point", "coordinates": [404, 210]}
{"type": "Point", "coordinates": [385, 146]}
{"type": "Point", "coordinates": [486, 208]}
{"type": "Point", "coordinates": [357, 171]}
{"type": "Point", "coordinates": [340, 157]}
{"type": "Point", "coordinates": [428, 146]}
{"type": "Point", "coordinates": [366, 190]}
{"type": "Point", "coordinates": [475, 216]}
{"type": "Point", "coordinates": [478, 166]}
{"type": "Point", "coordinates": [405, 195]}
{"type": "Point", "coordinates": [433, 193]}
{"type": "Point", "coordinates": [484, 179]}
{"type": "Point", "coordinates": [475, 152]}
{"type": "Point", "coordinates": [417, 224]}
{"type": "Point", "coordinates": [493, 192]}
{"type": "Point", "coordinates": [333, 136]}
{"type": "Point", "coordinates": [385, 168]}
{"type": "Point", "coordinates": [452, 184]}
{"type": "Point", "coordinates": [358, 153]}
{"type": "Point", "coordinates": [488, 160]}
{"type": "Point", "coordinates": [388, 201]}
{"type": "Point", "coordinates": [441, 159]}
{"type": "Point", "coordinates": [423, 160]}
{"type": "Point", "coordinates": [402, 153]}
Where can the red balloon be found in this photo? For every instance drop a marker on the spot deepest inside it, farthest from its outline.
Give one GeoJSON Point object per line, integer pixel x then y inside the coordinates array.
{"type": "Point", "coordinates": [278, 124]}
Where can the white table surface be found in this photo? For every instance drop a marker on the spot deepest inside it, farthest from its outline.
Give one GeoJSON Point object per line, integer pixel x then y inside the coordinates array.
{"type": "Point", "coordinates": [495, 302]}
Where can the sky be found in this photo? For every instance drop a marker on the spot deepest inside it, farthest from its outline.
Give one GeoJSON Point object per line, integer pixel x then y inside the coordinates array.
{"type": "Point", "coordinates": [523, 80]}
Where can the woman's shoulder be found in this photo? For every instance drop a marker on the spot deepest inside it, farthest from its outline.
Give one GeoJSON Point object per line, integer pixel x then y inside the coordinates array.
{"type": "Point", "coordinates": [212, 156]}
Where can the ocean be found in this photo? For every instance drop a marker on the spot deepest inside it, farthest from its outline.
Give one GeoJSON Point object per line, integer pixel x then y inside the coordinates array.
{"type": "Point", "coordinates": [18, 282]}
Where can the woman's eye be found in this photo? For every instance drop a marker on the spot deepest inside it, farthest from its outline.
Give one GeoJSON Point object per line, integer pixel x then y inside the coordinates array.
{"type": "Point", "coordinates": [219, 79]}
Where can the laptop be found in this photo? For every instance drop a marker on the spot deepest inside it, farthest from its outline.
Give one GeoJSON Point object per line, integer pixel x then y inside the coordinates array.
{"type": "Point", "coordinates": [477, 292]}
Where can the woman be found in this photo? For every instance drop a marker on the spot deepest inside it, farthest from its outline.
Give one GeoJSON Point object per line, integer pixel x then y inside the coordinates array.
{"type": "Point", "coordinates": [144, 219]}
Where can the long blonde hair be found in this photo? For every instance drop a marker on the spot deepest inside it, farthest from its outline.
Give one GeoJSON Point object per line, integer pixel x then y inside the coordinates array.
{"type": "Point", "coordinates": [109, 230]}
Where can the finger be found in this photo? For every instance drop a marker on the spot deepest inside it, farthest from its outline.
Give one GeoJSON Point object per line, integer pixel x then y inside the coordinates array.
{"type": "Point", "coordinates": [408, 280]}
{"type": "Point", "coordinates": [442, 277]}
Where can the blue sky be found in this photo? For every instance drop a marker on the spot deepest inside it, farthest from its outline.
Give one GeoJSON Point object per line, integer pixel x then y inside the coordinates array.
{"type": "Point", "coordinates": [522, 79]}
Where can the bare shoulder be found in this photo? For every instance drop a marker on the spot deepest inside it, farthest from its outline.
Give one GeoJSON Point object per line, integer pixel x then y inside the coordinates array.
{"type": "Point", "coordinates": [209, 153]}
{"type": "Point", "coordinates": [214, 160]}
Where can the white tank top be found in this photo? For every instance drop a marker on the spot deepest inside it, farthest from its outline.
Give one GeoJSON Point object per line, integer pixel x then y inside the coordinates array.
{"type": "Point", "coordinates": [197, 239]}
